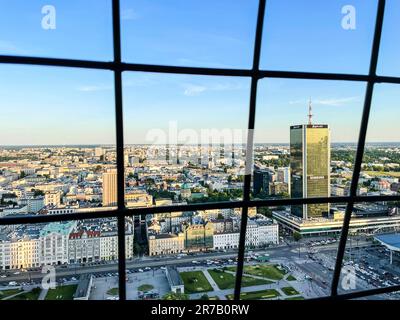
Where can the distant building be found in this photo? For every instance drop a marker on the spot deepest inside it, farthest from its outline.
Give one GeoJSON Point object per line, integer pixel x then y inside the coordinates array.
{"type": "Point", "coordinates": [54, 242]}
{"type": "Point", "coordinates": [166, 243]}
{"type": "Point", "coordinates": [52, 198]}
{"type": "Point", "coordinates": [174, 280]}
{"type": "Point", "coordinates": [199, 237]}
{"type": "Point", "coordinates": [261, 180]}
{"type": "Point", "coordinates": [110, 188]}
{"type": "Point", "coordinates": [84, 287]}
{"type": "Point", "coordinates": [259, 232]}
{"type": "Point", "coordinates": [84, 246]}
{"type": "Point", "coordinates": [310, 167]}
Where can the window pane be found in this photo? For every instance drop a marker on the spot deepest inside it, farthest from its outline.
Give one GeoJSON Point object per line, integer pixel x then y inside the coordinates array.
{"type": "Point", "coordinates": [290, 146]}
{"type": "Point", "coordinates": [389, 64]}
{"type": "Point", "coordinates": [189, 33]}
{"type": "Point", "coordinates": [61, 29]}
{"type": "Point", "coordinates": [184, 138]}
{"type": "Point", "coordinates": [57, 138]}
{"type": "Point", "coordinates": [288, 258]}
{"type": "Point", "coordinates": [381, 162]}
{"type": "Point", "coordinates": [316, 36]}
{"type": "Point", "coordinates": [184, 255]}
{"type": "Point", "coordinates": [74, 260]}
{"type": "Point", "coordinates": [371, 258]}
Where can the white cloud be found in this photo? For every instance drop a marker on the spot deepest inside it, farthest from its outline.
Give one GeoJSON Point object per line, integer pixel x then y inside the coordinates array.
{"type": "Point", "coordinates": [193, 90]}
{"type": "Point", "coordinates": [94, 88]}
{"type": "Point", "coordinates": [129, 14]}
{"type": "Point", "coordinates": [10, 47]}
{"type": "Point", "coordinates": [334, 102]}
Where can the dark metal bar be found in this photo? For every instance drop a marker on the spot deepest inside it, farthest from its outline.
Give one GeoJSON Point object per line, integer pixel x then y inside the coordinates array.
{"type": "Point", "coordinates": [120, 150]}
{"type": "Point", "coordinates": [107, 65]}
{"type": "Point", "coordinates": [361, 146]}
{"type": "Point", "coordinates": [191, 207]}
{"type": "Point", "coordinates": [249, 147]}
{"type": "Point", "coordinates": [56, 62]}
{"type": "Point", "coordinates": [313, 75]}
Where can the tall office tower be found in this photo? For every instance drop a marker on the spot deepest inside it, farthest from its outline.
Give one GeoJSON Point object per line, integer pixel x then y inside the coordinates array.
{"type": "Point", "coordinates": [98, 152]}
{"type": "Point", "coordinates": [310, 166]}
{"type": "Point", "coordinates": [110, 188]}
{"type": "Point", "coordinates": [261, 180]}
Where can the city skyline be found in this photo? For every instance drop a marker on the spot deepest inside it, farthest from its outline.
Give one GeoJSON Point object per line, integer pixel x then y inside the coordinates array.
{"type": "Point", "coordinates": [85, 98]}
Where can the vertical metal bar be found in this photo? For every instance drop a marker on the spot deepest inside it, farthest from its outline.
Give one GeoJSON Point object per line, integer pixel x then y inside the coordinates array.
{"type": "Point", "coordinates": [249, 147]}
{"type": "Point", "coordinates": [361, 145]}
{"type": "Point", "coordinates": [120, 148]}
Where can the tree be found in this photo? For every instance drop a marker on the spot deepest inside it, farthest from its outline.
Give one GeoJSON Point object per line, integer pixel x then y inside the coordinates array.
{"type": "Point", "coordinates": [175, 296]}
{"type": "Point", "coordinates": [297, 236]}
{"type": "Point", "coordinates": [265, 211]}
{"type": "Point", "coordinates": [205, 297]}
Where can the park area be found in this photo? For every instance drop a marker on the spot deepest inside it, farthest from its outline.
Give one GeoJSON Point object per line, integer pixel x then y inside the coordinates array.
{"type": "Point", "coordinates": [195, 282]}
{"type": "Point", "coordinates": [61, 293]}
{"type": "Point", "coordinates": [226, 280]}
{"type": "Point", "coordinates": [257, 295]}
{"type": "Point", "coordinates": [290, 291]}
{"type": "Point", "coordinates": [273, 272]}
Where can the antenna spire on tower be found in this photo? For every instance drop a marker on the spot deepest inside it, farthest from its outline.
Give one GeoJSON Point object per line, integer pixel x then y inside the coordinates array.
{"type": "Point", "coordinates": [310, 115]}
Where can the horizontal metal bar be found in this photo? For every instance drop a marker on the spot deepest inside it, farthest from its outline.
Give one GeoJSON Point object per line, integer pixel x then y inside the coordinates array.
{"type": "Point", "coordinates": [58, 217]}
{"type": "Point", "coordinates": [189, 207]}
{"type": "Point", "coordinates": [313, 75]}
{"type": "Point", "coordinates": [108, 65]}
{"type": "Point", "coordinates": [186, 70]}
{"type": "Point", "coordinates": [55, 62]}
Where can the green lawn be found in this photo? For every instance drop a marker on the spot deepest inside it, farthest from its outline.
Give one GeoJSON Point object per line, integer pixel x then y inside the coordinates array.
{"type": "Point", "coordinates": [291, 278]}
{"type": "Point", "coordinates": [113, 292]}
{"type": "Point", "coordinates": [395, 174]}
{"type": "Point", "coordinates": [290, 291]}
{"type": "Point", "coordinates": [9, 292]}
{"type": "Point", "coordinates": [256, 295]}
{"type": "Point", "coordinates": [145, 287]}
{"type": "Point", "coordinates": [226, 280]}
{"type": "Point", "coordinates": [61, 293]}
{"type": "Point", "coordinates": [266, 271]}
{"type": "Point", "coordinates": [195, 281]}
{"type": "Point", "coordinates": [30, 295]}
{"type": "Point", "coordinates": [295, 298]}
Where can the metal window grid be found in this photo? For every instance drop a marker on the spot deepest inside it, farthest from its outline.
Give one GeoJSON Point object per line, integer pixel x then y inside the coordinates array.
{"type": "Point", "coordinates": [117, 66]}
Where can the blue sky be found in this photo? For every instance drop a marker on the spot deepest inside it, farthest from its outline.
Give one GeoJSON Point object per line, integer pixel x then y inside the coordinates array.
{"type": "Point", "coordinates": [75, 106]}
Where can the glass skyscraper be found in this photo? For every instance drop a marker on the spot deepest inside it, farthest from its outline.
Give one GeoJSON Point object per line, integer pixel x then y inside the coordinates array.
{"type": "Point", "coordinates": [310, 167]}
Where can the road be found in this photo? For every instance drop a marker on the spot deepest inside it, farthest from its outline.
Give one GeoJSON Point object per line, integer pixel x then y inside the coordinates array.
{"type": "Point", "coordinates": [282, 251]}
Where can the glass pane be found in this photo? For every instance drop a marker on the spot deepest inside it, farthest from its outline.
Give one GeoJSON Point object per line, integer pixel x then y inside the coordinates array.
{"type": "Point", "coordinates": [184, 255]}
{"type": "Point", "coordinates": [184, 138]}
{"type": "Point", "coordinates": [381, 162]}
{"type": "Point", "coordinates": [57, 139]}
{"type": "Point", "coordinates": [61, 29]}
{"type": "Point", "coordinates": [297, 137]}
{"type": "Point", "coordinates": [318, 36]}
{"type": "Point", "coordinates": [371, 258]}
{"type": "Point", "coordinates": [74, 260]}
{"type": "Point", "coordinates": [296, 259]}
{"type": "Point", "coordinates": [202, 33]}
{"type": "Point", "coordinates": [389, 51]}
